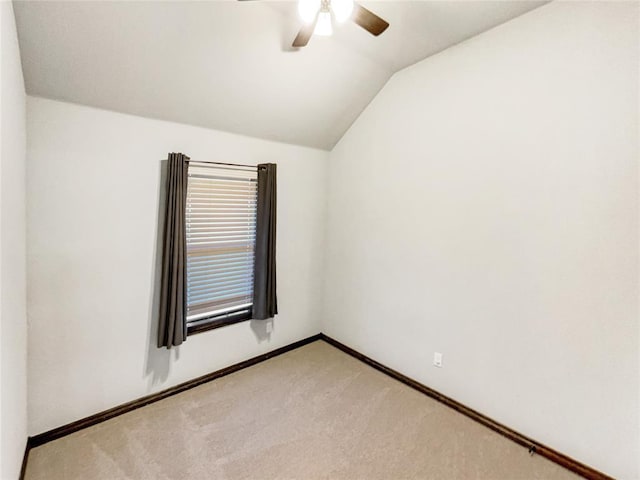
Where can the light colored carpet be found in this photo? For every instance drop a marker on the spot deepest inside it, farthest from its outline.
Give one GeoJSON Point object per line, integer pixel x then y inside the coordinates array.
{"type": "Point", "coordinates": [312, 413]}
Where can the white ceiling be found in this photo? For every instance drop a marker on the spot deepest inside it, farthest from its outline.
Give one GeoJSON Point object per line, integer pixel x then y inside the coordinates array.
{"type": "Point", "coordinates": [228, 65]}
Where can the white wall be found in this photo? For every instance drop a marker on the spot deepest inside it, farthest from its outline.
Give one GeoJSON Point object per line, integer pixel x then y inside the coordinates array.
{"type": "Point", "coordinates": [13, 317]}
{"type": "Point", "coordinates": [485, 206]}
{"type": "Point", "coordinates": [93, 202]}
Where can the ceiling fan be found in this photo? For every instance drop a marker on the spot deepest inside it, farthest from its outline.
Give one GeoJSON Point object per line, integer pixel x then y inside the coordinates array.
{"type": "Point", "coordinates": [318, 17]}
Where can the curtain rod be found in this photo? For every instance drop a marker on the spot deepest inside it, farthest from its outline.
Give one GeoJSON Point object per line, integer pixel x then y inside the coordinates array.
{"type": "Point", "coordinates": [226, 165]}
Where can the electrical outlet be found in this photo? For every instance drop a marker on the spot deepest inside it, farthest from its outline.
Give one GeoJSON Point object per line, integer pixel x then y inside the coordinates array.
{"type": "Point", "coordinates": [437, 359]}
{"type": "Point", "coordinates": [269, 327]}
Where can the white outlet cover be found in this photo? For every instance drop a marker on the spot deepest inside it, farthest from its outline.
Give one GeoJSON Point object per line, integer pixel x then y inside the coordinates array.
{"type": "Point", "coordinates": [437, 359]}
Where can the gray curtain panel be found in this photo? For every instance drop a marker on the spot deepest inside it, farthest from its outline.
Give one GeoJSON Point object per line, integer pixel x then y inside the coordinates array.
{"type": "Point", "coordinates": [265, 302]}
{"type": "Point", "coordinates": [172, 328]}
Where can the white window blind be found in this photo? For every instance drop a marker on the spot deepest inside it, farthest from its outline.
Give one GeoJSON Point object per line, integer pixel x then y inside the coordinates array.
{"type": "Point", "coordinates": [221, 232]}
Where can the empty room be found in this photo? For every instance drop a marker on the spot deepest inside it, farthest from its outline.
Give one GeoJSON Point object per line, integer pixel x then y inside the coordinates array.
{"type": "Point", "coordinates": [319, 239]}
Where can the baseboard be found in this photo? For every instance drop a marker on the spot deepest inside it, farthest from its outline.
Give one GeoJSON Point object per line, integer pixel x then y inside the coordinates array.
{"type": "Point", "coordinates": [532, 445]}
{"type": "Point", "coordinates": [72, 427]}
{"type": "Point", "coordinates": [25, 458]}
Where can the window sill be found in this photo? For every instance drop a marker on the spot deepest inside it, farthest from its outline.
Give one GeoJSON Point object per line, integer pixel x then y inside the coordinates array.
{"type": "Point", "coordinates": [205, 325]}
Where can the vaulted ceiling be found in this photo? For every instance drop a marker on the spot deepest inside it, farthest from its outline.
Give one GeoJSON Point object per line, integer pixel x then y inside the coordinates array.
{"type": "Point", "coordinates": [228, 65]}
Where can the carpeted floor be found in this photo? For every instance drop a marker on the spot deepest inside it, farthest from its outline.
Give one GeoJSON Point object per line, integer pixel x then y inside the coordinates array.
{"type": "Point", "coordinates": [312, 413]}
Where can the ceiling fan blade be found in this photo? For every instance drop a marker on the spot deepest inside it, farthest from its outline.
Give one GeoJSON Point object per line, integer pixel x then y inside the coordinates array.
{"type": "Point", "coordinates": [368, 20]}
{"type": "Point", "coordinates": [304, 34]}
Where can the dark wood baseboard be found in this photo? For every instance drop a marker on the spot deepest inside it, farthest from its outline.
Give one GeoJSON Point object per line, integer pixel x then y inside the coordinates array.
{"type": "Point", "coordinates": [25, 458]}
{"type": "Point", "coordinates": [533, 446]}
{"type": "Point", "coordinates": [64, 430]}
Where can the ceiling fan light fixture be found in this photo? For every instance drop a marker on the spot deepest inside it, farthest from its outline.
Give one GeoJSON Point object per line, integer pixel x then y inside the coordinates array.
{"type": "Point", "coordinates": [342, 9]}
{"type": "Point", "coordinates": [308, 9]}
{"type": "Point", "coordinates": [323, 26]}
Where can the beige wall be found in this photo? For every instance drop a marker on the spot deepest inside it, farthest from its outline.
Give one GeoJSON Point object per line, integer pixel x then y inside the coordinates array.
{"type": "Point", "coordinates": [485, 206]}
{"type": "Point", "coordinates": [13, 317]}
{"type": "Point", "coordinates": [93, 196]}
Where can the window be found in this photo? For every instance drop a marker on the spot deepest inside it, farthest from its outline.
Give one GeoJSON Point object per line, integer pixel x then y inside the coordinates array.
{"type": "Point", "coordinates": [214, 271]}
{"type": "Point", "coordinates": [220, 233]}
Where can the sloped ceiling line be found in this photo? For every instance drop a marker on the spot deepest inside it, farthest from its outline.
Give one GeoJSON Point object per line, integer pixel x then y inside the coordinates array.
{"type": "Point", "coordinates": [228, 65]}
